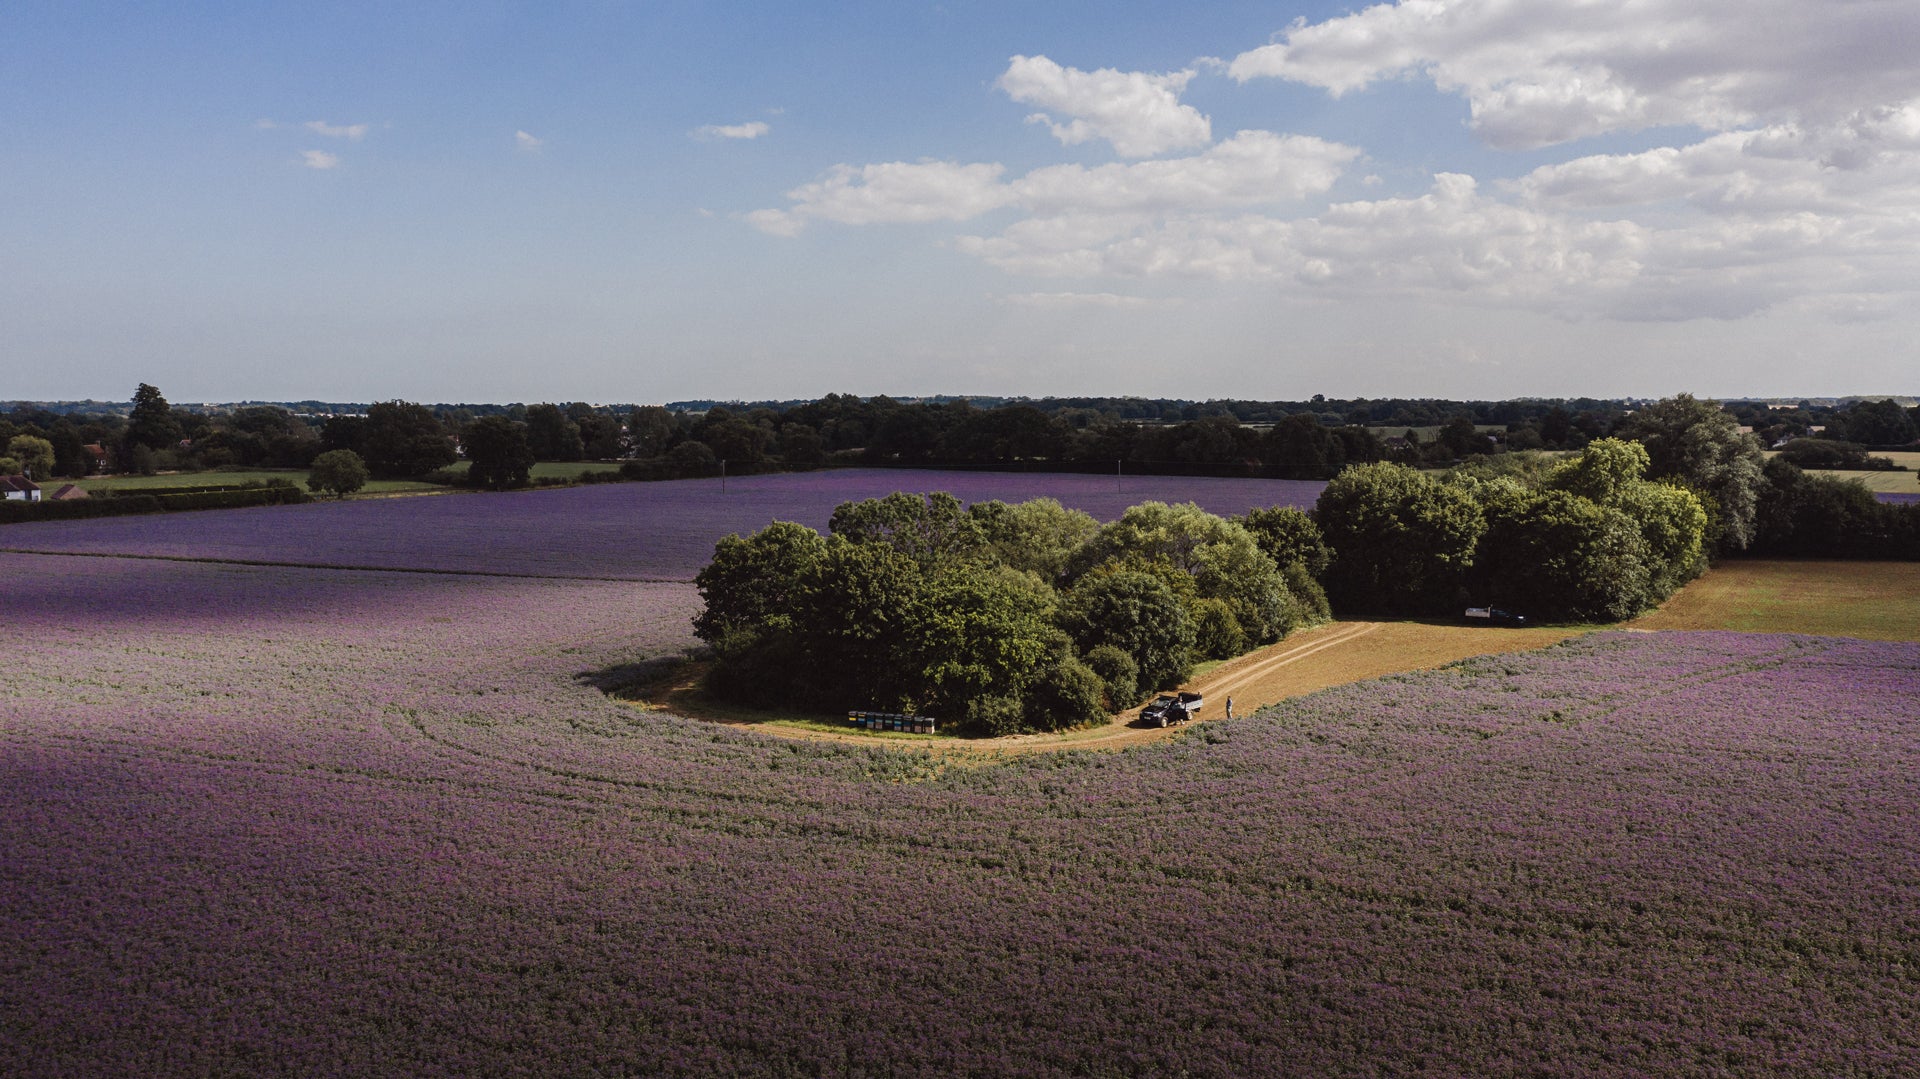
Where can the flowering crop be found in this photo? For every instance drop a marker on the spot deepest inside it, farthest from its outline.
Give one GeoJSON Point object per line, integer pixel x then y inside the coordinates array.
{"type": "Point", "coordinates": [624, 530]}
{"type": "Point", "coordinates": [270, 820]}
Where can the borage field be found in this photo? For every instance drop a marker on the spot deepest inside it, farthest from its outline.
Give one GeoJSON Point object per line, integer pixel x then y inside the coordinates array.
{"type": "Point", "coordinates": [262, 816]}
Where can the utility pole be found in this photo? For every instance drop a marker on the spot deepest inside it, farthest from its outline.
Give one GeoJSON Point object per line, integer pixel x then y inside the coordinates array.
{"type": "Point", "coordinates": [723, 475]}
{"type": "Point", "coordinates": [1116, 475]}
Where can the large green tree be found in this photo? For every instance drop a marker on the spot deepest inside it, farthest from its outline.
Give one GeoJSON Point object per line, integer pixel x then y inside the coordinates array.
{"type": "Point", "coordinates": [497, 453]}
{"type": "Point", "coordinates": [401, 438]}
{"type": "Point", "coordinates": [926, 528]}
{"type": "Point", "coordinates": [337, 472]}
{"type": "Point", "coordinates": [1138, 614]}
{"type": "Point", "coordinates": [34, 456]}
{"type": "Point", "coordinates": [151, 423]}
{"type": "Point", "coordinates": [1223, 560]}
{"type": "Point", "coordinates": [1402, 540]}
{"type": "Point", "coordinates": [1038, 536]}
{"type": "Point", "coordinates": [553, 435]}
{"type": "Point", "coordinates": [1701, 445]}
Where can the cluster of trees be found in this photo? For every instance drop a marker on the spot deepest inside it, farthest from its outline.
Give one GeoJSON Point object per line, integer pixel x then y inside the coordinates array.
{"type": "Point", "coordinates": [1812, 516]}
{"type": "Point", "coordinates": [998, 618]}
{"type": "Point", "coordinates": [1600, 536]}
{"type": "Point", "coordinates": [1589, 540]}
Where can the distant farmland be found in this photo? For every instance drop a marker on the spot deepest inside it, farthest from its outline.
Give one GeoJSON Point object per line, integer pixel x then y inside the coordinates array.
{"type": "Point", "coordinates": [283, 820]}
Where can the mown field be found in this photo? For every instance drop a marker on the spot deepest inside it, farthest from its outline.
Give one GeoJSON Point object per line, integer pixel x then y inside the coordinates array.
{"type": "Point", "coordinates": [272, 819]}
{"type": "Point", "coordinates": [296, 476]}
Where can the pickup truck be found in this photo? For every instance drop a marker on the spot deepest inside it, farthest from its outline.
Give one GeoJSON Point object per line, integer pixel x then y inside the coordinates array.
{"type": "Point", "coordinates": [1171, 708]}
{"type": "Point", "coordinates": [1497, 616]}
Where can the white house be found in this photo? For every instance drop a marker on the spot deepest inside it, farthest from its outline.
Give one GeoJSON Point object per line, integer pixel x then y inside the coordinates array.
{"type": "Point", "coordinates": [20, 488]}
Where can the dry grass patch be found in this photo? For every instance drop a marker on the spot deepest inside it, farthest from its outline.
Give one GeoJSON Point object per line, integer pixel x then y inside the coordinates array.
{"type": "Point", "coordinates": [1874, 600]}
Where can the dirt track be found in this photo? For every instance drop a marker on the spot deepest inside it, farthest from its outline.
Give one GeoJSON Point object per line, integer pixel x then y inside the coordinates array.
{"type": "Point", "coordinates": [1324, 656]}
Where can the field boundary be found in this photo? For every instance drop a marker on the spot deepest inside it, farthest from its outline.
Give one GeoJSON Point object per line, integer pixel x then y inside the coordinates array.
{"type": "Point", "coordinates": [276, 563]}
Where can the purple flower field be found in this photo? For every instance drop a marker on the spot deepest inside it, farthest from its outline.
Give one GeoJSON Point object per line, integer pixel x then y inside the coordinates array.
{"type": "Point", "coordinates": [270, 820]}
{"type": "Point", "coordinates": [623, 530]}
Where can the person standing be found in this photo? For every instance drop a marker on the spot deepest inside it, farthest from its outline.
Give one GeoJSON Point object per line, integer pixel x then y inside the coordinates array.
{"type": "Point", "coordinates": [1229, 707]}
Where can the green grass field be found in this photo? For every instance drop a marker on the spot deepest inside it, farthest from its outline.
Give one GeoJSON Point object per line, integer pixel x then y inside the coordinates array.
{"type": "Point", "coordinates": [1907, 482]}
{"type": "Point", "coordinates": [97, 484]}
{"type": "Point", "coordinates": [563, 470]}
{"type": "Point", "coordinates": [1874, 600]}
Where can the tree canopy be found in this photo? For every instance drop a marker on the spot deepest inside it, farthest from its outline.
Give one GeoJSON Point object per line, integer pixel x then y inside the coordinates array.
{"type": "Point", "coordinates": [498, 455]}
{"type": "Point", "coordinates": [990, 616]}
{"type": "Point", "coordinates": [337, 472]}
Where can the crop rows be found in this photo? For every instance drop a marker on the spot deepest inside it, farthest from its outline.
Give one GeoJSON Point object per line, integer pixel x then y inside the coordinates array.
{"type": "Point", "coordinates": [626, 530]}
{"type": "Point", "coordinates": [274, 820]}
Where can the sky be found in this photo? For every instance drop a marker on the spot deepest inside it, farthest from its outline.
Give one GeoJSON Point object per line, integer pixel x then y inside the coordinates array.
{"type": "Point", "coordinates": [644, 202]}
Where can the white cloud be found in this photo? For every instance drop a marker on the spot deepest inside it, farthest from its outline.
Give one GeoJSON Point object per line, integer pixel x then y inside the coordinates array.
{"type": "Point", "coordinates": [1550, 71]}
{"type": "Point", "coordinates": [319, 159]}
{"type": "Point", "coordinates": [751, 130]}
{"type": "Point", "coordinates": [264, 124]}
{"type": "Point", "coordinates": [898, 191]}
{"type": "Point", "coordinates": [353, 132]}
{"type": "Point", "coordinates": [1252, 168]}
{"type": "Point", "coordinates": [1800, 191]}
{"type": "Point", "coordinates": [1138, 113]}
{"type": "Point", "coordinates": [527, 143]}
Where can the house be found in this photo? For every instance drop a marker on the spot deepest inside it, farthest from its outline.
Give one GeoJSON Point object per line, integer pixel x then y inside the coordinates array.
{"type": "Point", "coordinates": [19, 488]}
{"type": "Point", "coordinates": [97, 454]}
{"type": "Point", "coordinates": [69, 492]}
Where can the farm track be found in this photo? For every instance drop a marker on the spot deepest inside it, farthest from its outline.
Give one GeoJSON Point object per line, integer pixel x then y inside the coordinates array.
{"type": "Point", "coordinates": [1330, 655]}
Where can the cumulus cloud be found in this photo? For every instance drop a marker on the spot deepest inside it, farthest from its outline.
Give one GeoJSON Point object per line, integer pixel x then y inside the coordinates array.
{"type": "Point", "coordinates": [751, 130]}
{"type": "Point", "coordinates": [1253, 167]}
{"type": "Point", "coordinates": [526, 143]}
{"type": "Point", "coordinates": [353, 132]}
{"type": "Point", "coordinates": [897, 191]}
{"type": "Point", "coordinates": [1796, 186]}
{"type": "Point", "coordinates": [1138, 113]}
{"type": "Point", "coordinates": [319, 159]}
{"type": "Point", "coordinates": [1550, 71]}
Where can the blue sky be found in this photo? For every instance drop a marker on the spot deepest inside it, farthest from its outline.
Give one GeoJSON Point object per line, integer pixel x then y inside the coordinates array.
{"type": "Point", "coordinates": [644, 202]}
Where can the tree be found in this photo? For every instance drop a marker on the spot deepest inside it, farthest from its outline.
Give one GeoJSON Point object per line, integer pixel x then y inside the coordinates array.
{"type": "Point", "coordinates": [1038, 536]}
{"type": "Point", "coordinates": [755, 583]}
{"type": "Point", "coordinates": [497, 453]}
{"type": "Point", "coordinates": [650, 429]}
{"type": "Point", "coordinates": [1554, 554]}
{"type": "Point", "coordinates": [1222, 559]}
{"type": "Point", "coordinates": [340, 472]}
{"type": "Point", "coordinates": [552, 434]}
{"type": "Point", "coordinates": [404, 439]}
{"type": "Point", "coordinates": [1119, 676]}
{"type": "Point", "coordinates": [800, 446]}
{"type": "Point", "coordinates": [693, 458]}
{"type": "Point", "coordinates": [1138, 614]}
{"type": "Point", "coordinates": [344, 433]}
{"type": "Point", "coordinates": [1288, 535]}
{"type": "Point", "coordinates": [1701, 445]}
{"type": "Point", "coordinates": [151, 423]}
{"type": "Point", "coordinates": [1402, 541]}
{"type": "Point", "coordinates": [929, 528]}
{"type": "Point", "coordinates": [34, 456]}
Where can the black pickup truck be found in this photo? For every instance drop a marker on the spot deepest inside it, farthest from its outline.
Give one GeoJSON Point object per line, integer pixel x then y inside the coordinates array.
{"type": "Point", "coordinates": [1171, 708]}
